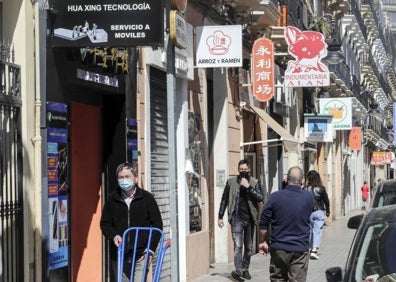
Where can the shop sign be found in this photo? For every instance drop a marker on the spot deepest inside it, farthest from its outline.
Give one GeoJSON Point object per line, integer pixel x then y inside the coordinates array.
{"type": "Point", "coordinates": [308, 48]}
{"type": "Point", "coordinates": [340, 109]}
{"type": "Point", "coordinates": [219, 46]}
{"type": "Point", "coordinates": [180, 5]}
{"type": "Point", "coordinates": [318, 128]}
{"type": "Point", "coordinates": [355, 139]}
{"type": "Point", "coordinates": [87, 23]}
{"type": "Point", "coordinates": [381, 158]}
{"type": "Point", "coordinates": [263, 69]}
{"type": "Point", "coordinates": [178, 29]}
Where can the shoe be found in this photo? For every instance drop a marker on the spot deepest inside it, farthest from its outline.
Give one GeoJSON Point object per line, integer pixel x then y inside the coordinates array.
{"type": "Point", "coordinates": [314, 255]}
{"type": "Point", "coordinates": [246, 274]}
{"type": "Point", "coordinates": [237, 275]}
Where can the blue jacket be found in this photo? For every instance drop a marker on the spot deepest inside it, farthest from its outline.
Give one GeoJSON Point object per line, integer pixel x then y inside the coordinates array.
{"type": "Point", "coordinates": [287, 212]}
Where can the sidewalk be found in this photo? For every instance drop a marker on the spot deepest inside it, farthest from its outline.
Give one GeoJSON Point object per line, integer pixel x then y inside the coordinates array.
{"type": "Point", "coordinates": [333, 252]}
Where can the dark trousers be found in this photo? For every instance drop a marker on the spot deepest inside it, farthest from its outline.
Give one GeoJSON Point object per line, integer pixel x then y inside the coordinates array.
{"type": "Point", "coordinates": [242, 235]}
{"type": "Point", "coordinates": [288, 266]}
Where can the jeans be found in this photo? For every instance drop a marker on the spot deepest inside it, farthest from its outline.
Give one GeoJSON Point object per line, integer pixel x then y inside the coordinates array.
{"type": "Point", "coordinates": [317, 222]}
{"type": "Point", "coordinates": [288, 266]}
{"type": "Point", "coordinates": [242, 235]}
{"type": "Point", "coordinates": [138, 277]}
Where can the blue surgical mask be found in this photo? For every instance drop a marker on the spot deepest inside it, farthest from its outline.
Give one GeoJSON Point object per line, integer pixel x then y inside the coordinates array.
{"type": "Point", "coordinates": [126, 184]}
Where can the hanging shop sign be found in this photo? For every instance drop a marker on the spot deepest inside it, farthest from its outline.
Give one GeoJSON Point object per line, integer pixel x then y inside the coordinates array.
{"type": "Point", "coordinates": [381, 158]}
{"type": "Point", "coordinates": [180, 5]}
{"type": "Point", "coordinates": [308, 48]}
{"type": "Point", "coordinates": [83, 23]}
{"type": "Point", "coordinates": [178, 29]}
{"type": "Point", "coordinates": [355, 138]}
{"type": "Point", "coordinates": [262, 67]}
{"type": "Point", "coordinates": [341, 109]}
{"type": "Point", "coordinates": [318, 128]}
{"type": "Point", "coordinates": [219, 46]}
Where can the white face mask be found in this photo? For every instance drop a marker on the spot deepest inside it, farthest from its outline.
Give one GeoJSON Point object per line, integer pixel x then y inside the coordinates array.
{"type": "Point", "coordinates": [126, 184]}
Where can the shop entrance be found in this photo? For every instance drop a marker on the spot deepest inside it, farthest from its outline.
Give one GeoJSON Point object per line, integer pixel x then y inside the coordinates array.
{"type": "Point", "coordinates": [86, 192]}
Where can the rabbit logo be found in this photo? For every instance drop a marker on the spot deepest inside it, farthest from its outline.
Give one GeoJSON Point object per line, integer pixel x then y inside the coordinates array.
{"type": "Point", "coordinates": [308, 48]}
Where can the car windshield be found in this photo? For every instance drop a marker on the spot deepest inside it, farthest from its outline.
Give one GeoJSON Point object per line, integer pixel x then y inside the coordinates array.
{"type": "Point", "coordinates": [376, 259]}
{"type": "Point", "coordinates": [387, 198]}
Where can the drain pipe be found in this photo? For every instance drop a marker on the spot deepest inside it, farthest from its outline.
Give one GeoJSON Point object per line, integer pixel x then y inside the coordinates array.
{"type": "Point", "coordinates": [37, 151]}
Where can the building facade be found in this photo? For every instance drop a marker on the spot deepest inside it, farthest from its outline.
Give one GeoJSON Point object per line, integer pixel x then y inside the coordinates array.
{"type": "Point", "coordinates": [72, 111]}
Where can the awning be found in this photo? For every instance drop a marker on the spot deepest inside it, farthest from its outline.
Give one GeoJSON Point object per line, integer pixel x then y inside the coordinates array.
{"type": "Point", "coordinates": [288, 140]}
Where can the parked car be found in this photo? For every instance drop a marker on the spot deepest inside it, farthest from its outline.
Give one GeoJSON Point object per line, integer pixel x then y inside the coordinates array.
{"type": "Point", "coordinates": [372, 256]}
{"type": "Point", "coordinates": [384, 194]}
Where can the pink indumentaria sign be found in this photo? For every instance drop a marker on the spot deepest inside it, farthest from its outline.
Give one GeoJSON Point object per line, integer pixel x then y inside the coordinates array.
{"type": "Point", "coordinates": [308, 48]}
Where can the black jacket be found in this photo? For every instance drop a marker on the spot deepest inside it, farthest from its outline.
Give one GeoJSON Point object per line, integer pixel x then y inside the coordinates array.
{"type": "Point", "coordinates": [143, 212]}
{"type": "Point", "coordinates": [231, 193]}
{"type": "Point", "coordinates": [321, 198]}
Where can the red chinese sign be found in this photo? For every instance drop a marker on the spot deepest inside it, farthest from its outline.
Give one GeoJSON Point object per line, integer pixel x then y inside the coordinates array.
{"type": "Point", "coordinates": [355, 138]}
{"type": "Point", "coordinates": [263, 75]}
{"type": "Point", "coordinates": [381, 158]}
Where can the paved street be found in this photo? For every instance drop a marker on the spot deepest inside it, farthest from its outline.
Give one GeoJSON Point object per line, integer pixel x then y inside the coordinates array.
{"type": "Point", "coordinates": [333, 252]}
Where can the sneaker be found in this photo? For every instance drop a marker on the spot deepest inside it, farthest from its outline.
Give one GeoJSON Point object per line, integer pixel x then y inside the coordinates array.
{"type": "Point", "coordinates": [314, 255]}
{"type": "Point", "coordinates": [246, 274]}
{"type": "Point", "coordinates": [237, 275]}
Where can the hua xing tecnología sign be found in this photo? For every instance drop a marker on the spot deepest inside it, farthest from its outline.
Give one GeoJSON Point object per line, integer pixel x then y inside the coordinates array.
{"type": "Point", "coordinates": [87, 23]}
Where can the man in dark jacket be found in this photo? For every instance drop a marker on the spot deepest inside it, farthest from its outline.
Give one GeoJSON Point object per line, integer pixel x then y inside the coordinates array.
{"type": "Point", "coordinates": [288, 213]}
{"type": "Point", "coordinates": [130, 206]}
{"type": "Point", "coordinates": [241, 197]}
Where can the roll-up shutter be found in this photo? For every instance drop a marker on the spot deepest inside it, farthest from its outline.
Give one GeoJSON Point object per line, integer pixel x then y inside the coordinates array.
{"type": "Point", "coordinates": [159, 154]}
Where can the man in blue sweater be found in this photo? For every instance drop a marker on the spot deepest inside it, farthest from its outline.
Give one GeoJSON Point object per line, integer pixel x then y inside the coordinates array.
{"type": "Point", "coordinates": [287, 212]}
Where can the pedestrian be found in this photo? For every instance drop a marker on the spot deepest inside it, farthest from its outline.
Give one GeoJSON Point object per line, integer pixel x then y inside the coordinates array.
{"type": "Point", "coordinates": [322, 208]}
{"type": "Point", "coordinates": [130, 206]}
{"type": "Point", "coordinates": [241, 197]}
{"type": "Point", "coordinates": [286, 217]}
{"type": "Point", "coordinates": [365, 193]}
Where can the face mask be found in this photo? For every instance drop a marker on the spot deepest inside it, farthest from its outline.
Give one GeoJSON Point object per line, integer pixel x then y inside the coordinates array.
{"type": "Point", "coordinates": [125, 184]}
{"type": "Point", "coordinates": [244, 174]}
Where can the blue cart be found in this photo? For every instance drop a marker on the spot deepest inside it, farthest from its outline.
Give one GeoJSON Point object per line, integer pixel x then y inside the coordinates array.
{"type": "Point", "coordinates": [135, 232]}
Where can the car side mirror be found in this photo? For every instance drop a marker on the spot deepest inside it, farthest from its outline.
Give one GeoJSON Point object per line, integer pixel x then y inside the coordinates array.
{"type": "Point", "coordinates": [354, 221]}
{"type": "Point", "coordinates": [334, 274]}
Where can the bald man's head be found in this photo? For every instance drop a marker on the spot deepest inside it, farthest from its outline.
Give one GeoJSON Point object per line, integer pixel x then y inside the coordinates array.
{"type": "Point", "coordinates": [295, 176]}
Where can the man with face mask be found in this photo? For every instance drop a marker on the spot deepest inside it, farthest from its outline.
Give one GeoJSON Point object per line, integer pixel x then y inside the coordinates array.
{"type": "Point", "coordinates": [129, 206]}
{"type": "Point", "coordinates": [241, 197]}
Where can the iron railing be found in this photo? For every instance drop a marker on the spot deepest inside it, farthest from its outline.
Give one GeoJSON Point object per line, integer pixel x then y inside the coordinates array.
{"type": "Point", "coordinates": [11, 201]}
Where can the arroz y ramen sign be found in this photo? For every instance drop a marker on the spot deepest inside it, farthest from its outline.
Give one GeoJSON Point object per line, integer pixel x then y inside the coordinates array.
{"type": "Point", "coordinates": [308, 48]}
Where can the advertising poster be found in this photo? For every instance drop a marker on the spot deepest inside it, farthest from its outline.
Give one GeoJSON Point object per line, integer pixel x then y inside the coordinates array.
{"type": "Point", "coordinates": [58, 184]}
{"type": "Point", "coordinates": [86, 23]}
{"type": "Point", "coordinates": [192, 173]}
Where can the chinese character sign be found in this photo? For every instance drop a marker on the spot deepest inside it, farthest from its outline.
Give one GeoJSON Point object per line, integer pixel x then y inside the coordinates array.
{"type": "Point", "coordinates": [355, 138]}
{"type": "Point", "coordinates": [263, 69]}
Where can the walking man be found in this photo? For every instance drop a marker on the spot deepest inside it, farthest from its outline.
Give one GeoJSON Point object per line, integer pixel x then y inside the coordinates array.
{"type": "Point", "coordinates": [288, 213]}
{"type": "Point", "coordinates": [241, 197]}
{"type": "Point", "coordinates": [130, 206]}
